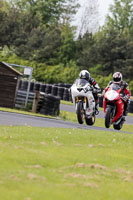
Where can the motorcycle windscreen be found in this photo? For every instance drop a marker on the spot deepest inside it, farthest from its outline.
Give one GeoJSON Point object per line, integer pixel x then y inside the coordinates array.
{"type": "Point", "coordinates": [115, 87]}
{"type": "Point", "coordinates": [81, 82]}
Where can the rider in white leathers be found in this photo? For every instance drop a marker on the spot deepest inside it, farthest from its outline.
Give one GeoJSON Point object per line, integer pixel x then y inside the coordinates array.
{"type": "Point", "coordinates": [84, 74]}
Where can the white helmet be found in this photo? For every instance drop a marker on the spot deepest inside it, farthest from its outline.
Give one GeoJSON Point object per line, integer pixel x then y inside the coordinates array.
{"type": "Point", "coordinates": [117, 77]}
{"type": "Point", "coordinates": [84, 74]}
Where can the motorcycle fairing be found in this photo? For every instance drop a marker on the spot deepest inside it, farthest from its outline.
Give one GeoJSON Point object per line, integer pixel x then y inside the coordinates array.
{"type": "Point", "coordinates": [120, 108]}
{"type": "Point", "coordinates": [112, 96]}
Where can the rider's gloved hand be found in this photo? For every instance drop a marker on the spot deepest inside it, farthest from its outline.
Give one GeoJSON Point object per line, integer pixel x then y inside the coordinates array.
{"type": "Point", "coordinates": [125, 98]}
{"type": "Point", "coordinates": [94, 90]}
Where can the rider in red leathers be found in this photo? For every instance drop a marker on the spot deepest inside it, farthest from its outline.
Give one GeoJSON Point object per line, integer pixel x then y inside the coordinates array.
{"type": "Point", "coordinates": [125, 92]}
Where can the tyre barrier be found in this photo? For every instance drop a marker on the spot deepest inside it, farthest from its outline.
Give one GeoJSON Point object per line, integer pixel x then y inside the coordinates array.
{"type": "Point", "coordinates": [130, 109]}
{"type": "Point", "coordinates": [32, 86]}
{"type": "Point", "coordinates": [101, 102]}
{"type": "Point", "coordinates": [60, 92]}
{"type": "Point", "coordinates": [70, 96]}
{"type": "Point", "coordinates": [36, 86]}
{"type": "Point", "coordinates": [54, 90]}
{"type": "Point", "coordinates": [23, 85]}
{"type": "Point", "coordinates": [48, 105]}
{"type": "Point", "coordinates": [60, 84]}
{"type": "Point", "coordinates": [60, 89]}
{"type": "Point", "coordinates": [48, 89]}
{"type": "Point", "coordinates": [65, 85]}
{"type": "Point", "coordinates": [42, 87]}
{"type": "Point", "coordinates": [66, 94]}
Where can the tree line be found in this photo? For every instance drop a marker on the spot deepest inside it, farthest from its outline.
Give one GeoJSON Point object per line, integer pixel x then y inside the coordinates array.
{"type": "Point", "coordinates": [40, 34]}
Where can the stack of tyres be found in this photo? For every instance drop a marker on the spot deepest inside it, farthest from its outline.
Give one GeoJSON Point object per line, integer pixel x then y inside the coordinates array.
{"type": "Point", "coordinates": [66, 94]}
{"type": "Point", "coordinates": [42, 87]}
{"type": "Point", "coordinates": [40, 101]}
{"type": "Point", "coordinates": [70, 96]}
{"type": "Point", "coordinates": [101, 101]}
{"type": "Point", "coordinates": [130, 110]}
{"type": "Point", "coordinates": [67, 85]}
{"type": "Point", "coordinates": [60, 92]}
{"type": "Point", "coordinates": [50, 105]}
{"type": "Point", "coordinates": [36, 86]}
{"type": "Point", "coordinates": [60, 85]}
{"type": "Point", "coordinates": [48, 89]}
{"type": "Point", "coordinates": [54, 90]}
{"type": "Point", "coordinates": [23, 85]}
{"type": "Point", "coordinates": [32, 86]}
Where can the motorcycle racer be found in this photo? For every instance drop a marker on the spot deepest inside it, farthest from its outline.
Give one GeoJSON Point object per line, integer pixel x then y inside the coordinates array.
{"type": "Point", "coordinates": [125, 92]}
{"type": "Point", "coordinates": [84, 74]}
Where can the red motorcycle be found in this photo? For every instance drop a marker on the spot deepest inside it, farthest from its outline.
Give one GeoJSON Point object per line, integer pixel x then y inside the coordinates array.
{"type": "Point", "coordinates": [113, 107]}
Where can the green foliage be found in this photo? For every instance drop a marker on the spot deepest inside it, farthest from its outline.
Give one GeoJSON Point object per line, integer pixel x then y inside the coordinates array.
{"type": "Point", "coordinates": [8, 55]}
{"type": "Point", "coordinates": [56, 74]}
{"type": "Point", "coordinates": [86, 51]}
{"type": "Point", "coordinates": [121, 15]}
{"type": "Point", "coordinates": [67, 49]}
{"type": "Point", "coordinates": [39, 34]}
{"type": "Point", "coordinates": [34, 29]}
{"type": "Point", "coordinates": [131, 87]}
{"type": "Point", "coordinates": [103, 80]}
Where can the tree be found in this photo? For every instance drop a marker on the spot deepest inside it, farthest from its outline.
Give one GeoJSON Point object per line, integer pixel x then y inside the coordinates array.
{"type": "Point", "coordinates": [86, 52]}
{"type": "Point", "coordinates": [121, 15]}
{"type": "Point", "coordinates": [67, 48]}
{"type": "Point", "coordinates": [48, 11]}
{"type": "Point", "coordinates": [119, 49]}
{"type": "Point", "coordinates": [87, 17]}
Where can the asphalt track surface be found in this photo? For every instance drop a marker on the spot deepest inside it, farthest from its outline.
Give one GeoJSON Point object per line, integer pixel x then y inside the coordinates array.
{"type": "Point", "coordinates": [15, 119]}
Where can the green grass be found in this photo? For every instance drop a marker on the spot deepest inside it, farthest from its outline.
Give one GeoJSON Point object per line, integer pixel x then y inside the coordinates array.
{"type": "Point", "coordinates": [65, 164]}
{"type": "Point", "coordinates": [62, 164]}
{"type": "Point", "coordinates": [66, 102]}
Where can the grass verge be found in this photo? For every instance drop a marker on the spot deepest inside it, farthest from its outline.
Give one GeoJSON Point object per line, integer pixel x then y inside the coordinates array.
{"type": "Point", "coordinates": [62, 164]}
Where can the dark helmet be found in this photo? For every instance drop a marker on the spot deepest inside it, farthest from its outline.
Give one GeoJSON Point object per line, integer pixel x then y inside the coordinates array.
{"type": "Point", "coordinates": [117, 77]}
{"type": "Point", "coordinates": [84, 74]}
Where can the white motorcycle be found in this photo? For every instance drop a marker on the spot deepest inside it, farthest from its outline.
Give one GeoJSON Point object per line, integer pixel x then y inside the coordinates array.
{"type": "Point", "coordinates": [84, 101]}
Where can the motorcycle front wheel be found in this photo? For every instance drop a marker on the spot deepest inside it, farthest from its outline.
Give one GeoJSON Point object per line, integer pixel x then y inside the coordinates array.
{"type": "Point", "coordinates": [90, 121]}
{"type": "Point", "coordinates": [80, 113]}
{"type": "Point", "coordinates": [108, 117]}
{"type": "Point", "coordinates": [119, 126]}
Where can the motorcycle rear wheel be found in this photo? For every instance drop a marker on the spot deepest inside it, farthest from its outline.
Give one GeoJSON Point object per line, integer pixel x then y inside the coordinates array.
{"type": "Point", "coordinates": [90, 121]}
{"type": "Point", "coordinates": [80, 113]}
{"type": "Point", "coordinates": [108, 117]}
